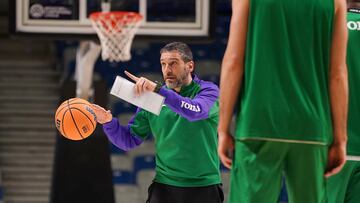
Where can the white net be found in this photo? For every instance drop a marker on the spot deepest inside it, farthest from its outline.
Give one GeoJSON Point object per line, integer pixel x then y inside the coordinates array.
{"type": "Point", "coordinates": [116, 31]}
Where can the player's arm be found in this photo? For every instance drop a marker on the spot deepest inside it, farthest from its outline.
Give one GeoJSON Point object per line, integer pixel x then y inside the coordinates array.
{"type": "Point", "coordinates": [338, 90]}
{"type": "Point", "coordinates": [121, 136]}
{"type": "Point", "coordinates": [232, 71]}
{"type": "Point", "coordinates": [193, 109]}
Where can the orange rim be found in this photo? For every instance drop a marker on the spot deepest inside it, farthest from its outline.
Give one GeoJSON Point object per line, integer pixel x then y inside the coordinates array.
{"type": "Point", "coordinates": [135, 17]}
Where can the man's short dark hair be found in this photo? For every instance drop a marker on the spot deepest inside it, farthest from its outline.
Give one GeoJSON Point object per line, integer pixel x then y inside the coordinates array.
{"type": "Point", "coordinates": [183, 49]}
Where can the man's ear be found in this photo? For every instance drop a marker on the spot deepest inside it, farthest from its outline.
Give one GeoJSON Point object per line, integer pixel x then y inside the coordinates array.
{"type": "Point", "coordinates": [191, 66]}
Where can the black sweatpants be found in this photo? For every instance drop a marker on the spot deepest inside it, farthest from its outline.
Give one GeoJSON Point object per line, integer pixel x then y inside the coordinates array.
{"type": "Point", "coordinates": [162, 193]}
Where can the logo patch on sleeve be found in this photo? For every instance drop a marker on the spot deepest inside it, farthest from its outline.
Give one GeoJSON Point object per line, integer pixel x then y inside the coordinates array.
{"type": "Point", "coordinates": [190, 107]}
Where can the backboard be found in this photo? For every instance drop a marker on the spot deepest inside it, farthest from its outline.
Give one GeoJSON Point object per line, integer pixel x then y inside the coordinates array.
{"type": "Point", "coordinates": [70, 18]}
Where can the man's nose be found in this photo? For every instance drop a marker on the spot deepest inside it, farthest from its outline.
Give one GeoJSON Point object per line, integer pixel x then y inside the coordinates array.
{"type": "Point", "coordinates": [167, 69]}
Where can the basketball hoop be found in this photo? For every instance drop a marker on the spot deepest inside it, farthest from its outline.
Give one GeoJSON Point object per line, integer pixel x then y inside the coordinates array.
{"type": "Point", "coordinates": [116, 31]}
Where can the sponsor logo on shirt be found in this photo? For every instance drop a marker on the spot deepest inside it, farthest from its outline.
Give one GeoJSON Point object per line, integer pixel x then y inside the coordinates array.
{"type": "Point", "coordinates": [353, 25]}
{"type": "Point", "coordinates": [190, 106]}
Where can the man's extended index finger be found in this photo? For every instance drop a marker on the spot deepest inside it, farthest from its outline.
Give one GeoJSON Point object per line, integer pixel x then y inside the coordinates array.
{"type": "Point", "coordinates": [131, 76]}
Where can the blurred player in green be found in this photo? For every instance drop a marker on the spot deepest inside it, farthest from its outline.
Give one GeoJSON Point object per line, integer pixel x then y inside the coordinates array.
{"type": "Point", "coordinates": [345, 186]}
{"type": "Point", "coordinates": [285, 63]}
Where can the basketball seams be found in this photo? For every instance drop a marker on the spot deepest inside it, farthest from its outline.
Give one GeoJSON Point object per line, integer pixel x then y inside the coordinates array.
{"type": "Point", "coordinates": [72, 116]}
{"type": "Point", "coordinates": [62, 123]}
{"type": "Point", "coordinates": [66, 106]}
{"type": "Point", "coordinates": [85, 115]}
{"type": "Point", "coordinates": [60, 108]}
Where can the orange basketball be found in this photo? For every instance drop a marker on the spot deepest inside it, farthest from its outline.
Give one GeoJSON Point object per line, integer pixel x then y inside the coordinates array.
{"type": "Point", "coordinates": [75, 119]}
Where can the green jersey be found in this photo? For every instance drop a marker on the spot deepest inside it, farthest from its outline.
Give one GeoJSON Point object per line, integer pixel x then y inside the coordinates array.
{"type": "Point", "coordinates": [185, 135]}
{"type": "Point", "coordinates": [353, 62]}
{"type": "Point", "coordinates": [285, 93]}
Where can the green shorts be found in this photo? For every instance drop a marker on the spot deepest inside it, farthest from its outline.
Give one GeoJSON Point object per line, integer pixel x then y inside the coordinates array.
{"type": "Point", "coordinates": [345, 186]}
{"type": "Point", "coordinates": [258, 168]}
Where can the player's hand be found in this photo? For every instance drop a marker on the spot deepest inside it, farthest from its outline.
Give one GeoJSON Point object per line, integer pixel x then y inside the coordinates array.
{"type": "Point", "coordinates": [336, 159]}
{"type": "Point", "coordinates": [141, 84]}
{"type": "Point", "coordinates": [225, 148]}
{"type": "Point", "coordinates": [102, 115]}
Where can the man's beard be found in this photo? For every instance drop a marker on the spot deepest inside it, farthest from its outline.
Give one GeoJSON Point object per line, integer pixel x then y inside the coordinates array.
{"type": "Point", "coordinates": [178, 82]}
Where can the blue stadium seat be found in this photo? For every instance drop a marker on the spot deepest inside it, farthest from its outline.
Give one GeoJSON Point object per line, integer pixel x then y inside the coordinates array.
{"type": "Point", "coordinates": [144, 162]}
{"type": "Point", "coordinates": [123, 177]}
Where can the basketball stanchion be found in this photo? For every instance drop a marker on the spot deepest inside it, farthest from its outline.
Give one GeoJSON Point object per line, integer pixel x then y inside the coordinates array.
{"type": "Point", "coordinates": [75, 119]}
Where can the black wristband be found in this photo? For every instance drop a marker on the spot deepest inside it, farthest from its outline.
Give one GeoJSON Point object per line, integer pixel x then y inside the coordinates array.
{"type": "Point", "coordinates": [158, 87]}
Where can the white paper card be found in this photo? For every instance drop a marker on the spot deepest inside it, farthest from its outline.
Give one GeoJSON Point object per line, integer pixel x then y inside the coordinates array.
{"type": "Point", "coordinates": [148, 101]}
